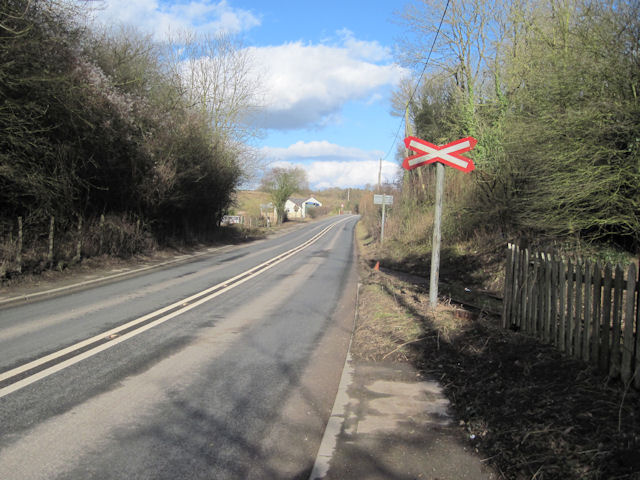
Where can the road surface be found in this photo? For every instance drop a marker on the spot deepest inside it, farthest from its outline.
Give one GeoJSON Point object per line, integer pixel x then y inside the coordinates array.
{"type": "Point", "coordinates": [225, 367]}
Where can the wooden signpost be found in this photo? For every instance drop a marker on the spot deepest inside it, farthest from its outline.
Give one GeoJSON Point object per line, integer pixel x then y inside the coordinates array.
{"type": "Point", "coordinates": [448, 154]}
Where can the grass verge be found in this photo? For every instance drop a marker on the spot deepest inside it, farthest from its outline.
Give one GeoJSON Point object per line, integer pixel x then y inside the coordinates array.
{"type": "Point", "coordinates": [531, 412]}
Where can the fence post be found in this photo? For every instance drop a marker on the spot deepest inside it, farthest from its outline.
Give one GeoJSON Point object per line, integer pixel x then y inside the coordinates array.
{"type": "Point", "coordinates": [79, 244]}
{"type": "Point", "coordinates": [515, 284]}
{"type": "Point", "coordinates": [101, 241]}
{"type": "Point", "coordinates": [555, 284]}
{"type": "Point", "coordinates": [568, 335]}
{"type": "Point", "coordinates": [19, 254]}
{"type": "Point", "coordinates": [629, 321]}
{"type": "Point", "coordinates": [614, 360]}
{"type": "Point", "coordinates": [606, 320]}
{"type": "Point", "coordinates": [586, 331]}
{"type": "Point", "coordinates": [508, 280]}
{"type": "Point", "coordinates": [541, 297]}
{"type": "Point", "coordinates": [596, 314]}
{"type": "Point", "coordinates": [531, 303]}
{"type": "Point", "coordinates": [524, 289]}
{"type": "Point", "coordinates": [636, 378]}
{"type": "Point", "coordinates": [577, 324]}
{"type": "Point", "coordinates": [51, 230]}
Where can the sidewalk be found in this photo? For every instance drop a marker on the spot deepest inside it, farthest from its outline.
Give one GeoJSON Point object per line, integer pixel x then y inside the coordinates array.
{"type": "Point", "coordinates": [395, 425]}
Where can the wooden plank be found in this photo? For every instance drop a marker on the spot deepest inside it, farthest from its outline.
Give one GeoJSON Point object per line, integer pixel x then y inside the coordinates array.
{"type": "Point", "coordinates": [553, 327]}
{"type": "Point", "coordinates": [636, 378]}
{"type": "Point", "coordinates": [547, 296]}
{"type": "Point", "coordinates": [542, 296]}
{"type": "Point", "coordinates": [562, 288]}
{"type": "Point", "coordinates": [532, 311]}
{"type": "Point", "coordinates": [524, 289]}
{"type": "Point", "coordinates": [578, 308]}
{"type": "Point", "coordinates": [605, 332]}
{"type": "Point", "coordinates": [516, 284]}
{"type": "Point", "coordinates": [506, 297]}
{"type": "Point", "coordinates": [596, 314]}
{"type": "Point", "coordinates": [626, 368]}
{"type": "Point", "coordinates": [568, 335]}
{"type": "Point", "coordinates": [616, 320]}
{"type": "Point", "coordinates": [586, 331]}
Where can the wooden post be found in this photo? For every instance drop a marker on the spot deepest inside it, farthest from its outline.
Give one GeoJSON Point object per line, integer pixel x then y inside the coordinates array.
{"type": "Point", "coordinates": [553, 328]}
{"type": "Point", "coordinates": [437, 237]}
{"type": "Point", "coordinates": [535, 294]}
{"type": "Point", "coordinates": [508, 282]}
{"type": "Point", "coordinates": [562, 309]}
{"type": "Point", "coordinates": [101, 233]}
{"type": "Point", "coordinates": [586, 331]}
{"type": "Point", "coordinates": [79, 244]}
{"type": "Point", "coordinates": [19, 254]}
{"type": "Point", "coordinates": [595, 313]}
{"type": "Point", "coordinates": [616, 317]}
{"type": "Point", "coordinates": [548, 288]}
{"type": "Point", "coordinates": [629, 320]}
{"type": "Point", "coordinates": [568, 338]}
{"type": "Point", "coordinates": [605, 334]}
{"type": "Point", "coordinates": [51, 230]}
{"type": "Point", "coordinates": [524, 291]}
{"type": "Point", "coordinates": [578, 325]}
{"type": "Point", "coordinates": [636, 377]}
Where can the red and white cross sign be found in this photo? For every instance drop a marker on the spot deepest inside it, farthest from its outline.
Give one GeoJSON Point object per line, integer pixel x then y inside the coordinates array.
{"type": "Point", "coordinates": [448, 154]}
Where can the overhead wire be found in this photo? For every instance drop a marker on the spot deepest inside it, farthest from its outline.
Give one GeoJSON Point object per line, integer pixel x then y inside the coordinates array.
{"type": "Point", "coordinates": [415, 89]}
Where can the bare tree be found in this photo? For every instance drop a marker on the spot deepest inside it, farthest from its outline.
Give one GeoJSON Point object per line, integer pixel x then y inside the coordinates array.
{"type": "Point", "coordinates": [218, 80]}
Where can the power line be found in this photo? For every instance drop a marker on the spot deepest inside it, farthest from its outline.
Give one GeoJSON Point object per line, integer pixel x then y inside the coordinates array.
{"type": "Point", "coordinates": [424, 69]}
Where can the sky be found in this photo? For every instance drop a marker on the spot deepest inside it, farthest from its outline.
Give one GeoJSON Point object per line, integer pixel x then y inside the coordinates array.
{"type": "Point", "coordinates": [326, 68]}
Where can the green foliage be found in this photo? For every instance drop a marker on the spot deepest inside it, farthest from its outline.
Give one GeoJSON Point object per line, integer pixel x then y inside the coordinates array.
{"type": "Point", "coordinates": [551, 94]}
{"type": "Point", "coordinates": [99, 123]}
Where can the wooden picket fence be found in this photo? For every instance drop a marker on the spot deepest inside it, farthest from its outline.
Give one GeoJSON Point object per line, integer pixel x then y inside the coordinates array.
{"type": "Point", "coordinates": [587, 310]}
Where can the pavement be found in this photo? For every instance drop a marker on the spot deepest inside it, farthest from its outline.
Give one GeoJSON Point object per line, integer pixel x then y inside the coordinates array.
{"type": "Point", "coordinates": [388, 421]}
{"type": "Point", "coordinates": [391, 423]}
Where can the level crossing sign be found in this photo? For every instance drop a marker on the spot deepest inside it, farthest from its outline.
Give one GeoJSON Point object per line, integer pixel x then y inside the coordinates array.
{"type": "Point", "coordinates": [449, 154]}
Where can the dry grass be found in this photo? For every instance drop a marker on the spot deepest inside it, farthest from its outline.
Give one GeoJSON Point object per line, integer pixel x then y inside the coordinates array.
{"type": "Point", "coordinates": [530, 411]}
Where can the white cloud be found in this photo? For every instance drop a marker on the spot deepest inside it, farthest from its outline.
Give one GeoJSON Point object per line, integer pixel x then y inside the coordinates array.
{"type": "Point", "coordinates": [317, 149]}
{"type": "Point", "coordinates": [326, 174]}
{"type": "Point", "coordinates": [330, 165]}
{"type": "Point", "coordinates": [307, 85]}
{"type": "Point", "coordinates": [363, 49]}
{"type": "Point", "coordinates": [162, 20]}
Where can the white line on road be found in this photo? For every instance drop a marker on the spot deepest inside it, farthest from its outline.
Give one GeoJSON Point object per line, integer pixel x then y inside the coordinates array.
{"type": "Point", "coordinates": [115, 337]}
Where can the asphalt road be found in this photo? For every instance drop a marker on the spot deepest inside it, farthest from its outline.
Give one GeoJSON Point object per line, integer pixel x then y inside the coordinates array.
{"type": "Point", "coordinates": [225, 367]}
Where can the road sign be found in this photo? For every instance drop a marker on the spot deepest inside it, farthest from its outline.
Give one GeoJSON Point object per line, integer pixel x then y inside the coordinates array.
{"type": "Point", "coordinates": [383, 199]}
{"type": "Point", "coordinates": [448, 154]}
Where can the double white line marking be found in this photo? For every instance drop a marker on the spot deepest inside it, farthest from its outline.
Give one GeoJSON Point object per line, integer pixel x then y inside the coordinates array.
{"type": "Point", "coordinates": [31, 372]}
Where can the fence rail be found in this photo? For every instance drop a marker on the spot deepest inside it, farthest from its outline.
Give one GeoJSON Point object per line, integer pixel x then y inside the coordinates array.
{"type": "Point", "coordinates": [587, 310]}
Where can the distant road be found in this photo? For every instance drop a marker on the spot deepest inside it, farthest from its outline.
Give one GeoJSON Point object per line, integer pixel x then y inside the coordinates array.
{"type": "Point", "coordinates": [225, 367]}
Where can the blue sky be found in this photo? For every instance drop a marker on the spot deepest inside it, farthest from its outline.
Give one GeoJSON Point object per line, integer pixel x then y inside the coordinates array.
{"type": "Point", "coordinates": [327, 74]}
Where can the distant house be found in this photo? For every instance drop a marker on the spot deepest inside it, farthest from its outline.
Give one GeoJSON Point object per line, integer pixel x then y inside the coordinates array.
{"type": "Point", "coordinates": [313, 202]}
{"type": "Point", "coordinates": [297, 207]}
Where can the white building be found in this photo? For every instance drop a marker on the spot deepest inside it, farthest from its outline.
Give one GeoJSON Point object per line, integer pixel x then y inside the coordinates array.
{"type": "Point", "coordinates": [297, 207]}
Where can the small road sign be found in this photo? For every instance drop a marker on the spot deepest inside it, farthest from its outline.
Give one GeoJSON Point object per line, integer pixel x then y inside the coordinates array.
{"type": "Point", "coordinates": [383, 199]}
{"type": "Point", "coordinates": [448, 154]}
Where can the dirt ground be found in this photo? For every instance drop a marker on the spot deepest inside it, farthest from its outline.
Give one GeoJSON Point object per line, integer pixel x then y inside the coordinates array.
{"type": "Point", "coordinates": [531, 412]}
